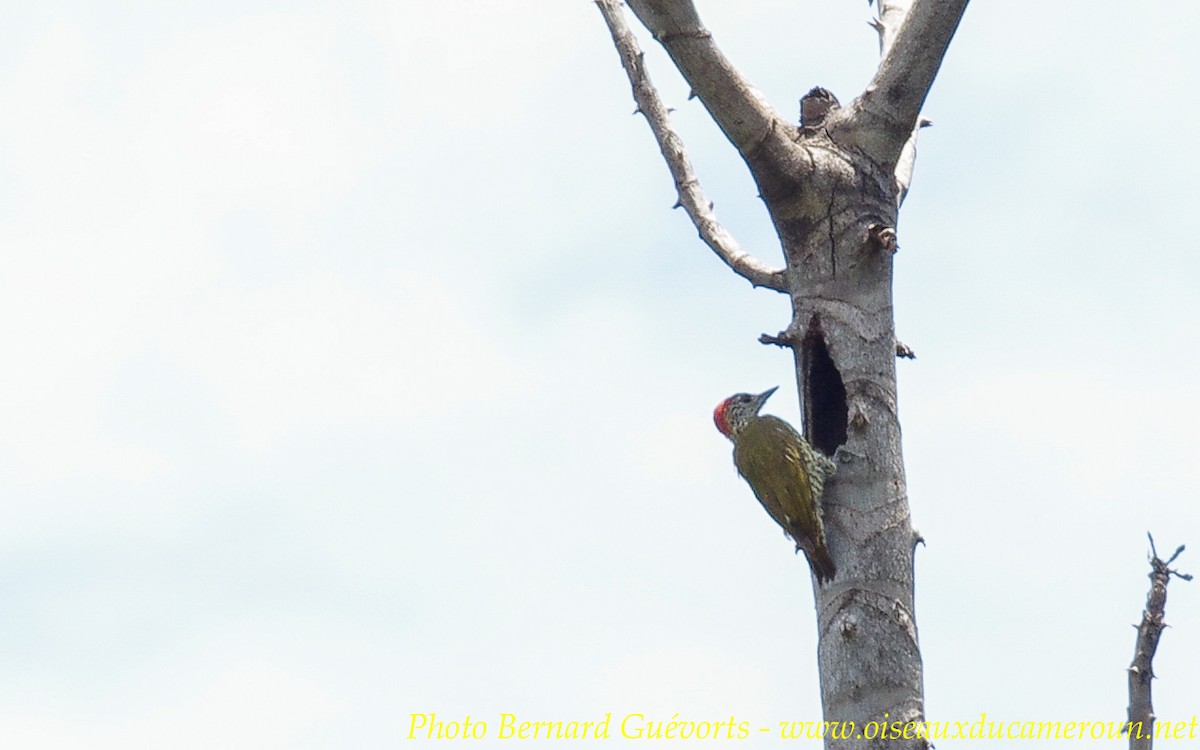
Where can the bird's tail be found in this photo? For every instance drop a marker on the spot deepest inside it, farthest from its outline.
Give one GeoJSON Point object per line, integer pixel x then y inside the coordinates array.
{"type": "Point", "coordinates": [820, 562]}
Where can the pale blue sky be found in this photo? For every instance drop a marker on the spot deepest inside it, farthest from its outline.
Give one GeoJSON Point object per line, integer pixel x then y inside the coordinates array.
{"type": "Point", "coordinates": [357, 366]}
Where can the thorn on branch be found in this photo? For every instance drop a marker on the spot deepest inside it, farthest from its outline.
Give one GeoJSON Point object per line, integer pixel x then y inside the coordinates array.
{"type": "Point", "coordinates": [904, 352]}
{"type": "Point", "coordinates": [691, 94]}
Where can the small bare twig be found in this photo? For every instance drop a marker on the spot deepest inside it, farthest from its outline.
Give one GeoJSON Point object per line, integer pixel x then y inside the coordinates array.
{"type": "Point", "coordinates": [691, 196]}
{"type": "Point", "coordinates": [783, 339]}
{"type": "Point", "coordinates": [906, 162]}
{"type": "Point", "coordinates": [914, 35]}
{"type": "Point", "coordinates": [890, 16]}
{"type": "Point", "coordinates": [1141, 709]}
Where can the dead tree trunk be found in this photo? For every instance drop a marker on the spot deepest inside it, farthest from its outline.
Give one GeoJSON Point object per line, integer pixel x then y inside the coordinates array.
{"type": "Point", "coordinates": [1140, 726]}
{"type": "Point", "coordinates": [832, 186]}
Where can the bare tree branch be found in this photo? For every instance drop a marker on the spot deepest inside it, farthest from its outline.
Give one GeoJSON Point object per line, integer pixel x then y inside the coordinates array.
{"type": "Point", "coordinates": [906, 162]}
{"type": "Point", "coordinates": [1141, 671]}
{"type": "Point", "coordinates": [742, 113]}
{"type": "Point", "coordinates": [882, 119]}
{"type": "Point", "coordinates": [691, 196]}
{"type": "Point", "coordinates": [888, 22]}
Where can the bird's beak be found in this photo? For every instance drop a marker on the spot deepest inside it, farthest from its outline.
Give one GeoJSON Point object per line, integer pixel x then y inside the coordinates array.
{"type": "Point", "coordinates": [762, 398]}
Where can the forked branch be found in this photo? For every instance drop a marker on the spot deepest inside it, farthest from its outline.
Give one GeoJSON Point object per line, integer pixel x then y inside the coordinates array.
{"type": "Point", "coordinates": [887, 111]}
{"type": "Point", "coordinates": [691, 196]}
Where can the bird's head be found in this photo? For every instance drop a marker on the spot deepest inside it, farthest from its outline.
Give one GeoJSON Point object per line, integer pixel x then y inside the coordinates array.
{"type": "Point", "coordinates": [735, 412]}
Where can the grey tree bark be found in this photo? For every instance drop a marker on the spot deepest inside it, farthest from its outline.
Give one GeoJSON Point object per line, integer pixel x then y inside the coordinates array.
{"type": "Point", "coordinates": [832, 186]}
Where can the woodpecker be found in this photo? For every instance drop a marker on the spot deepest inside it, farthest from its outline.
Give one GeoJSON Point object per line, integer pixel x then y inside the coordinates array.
{"type": "Point", "coordinates": [785, 472]}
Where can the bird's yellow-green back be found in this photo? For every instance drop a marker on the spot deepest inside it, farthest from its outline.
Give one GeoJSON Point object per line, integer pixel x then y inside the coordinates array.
{"type": "Point", "coordinates": [788, 476]}
{"type": "Point", "coordinates": [769, 454]}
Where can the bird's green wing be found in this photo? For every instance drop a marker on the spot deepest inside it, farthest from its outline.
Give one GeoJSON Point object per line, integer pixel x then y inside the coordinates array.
{"type": "Point", "coordinates": [768, 453]}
